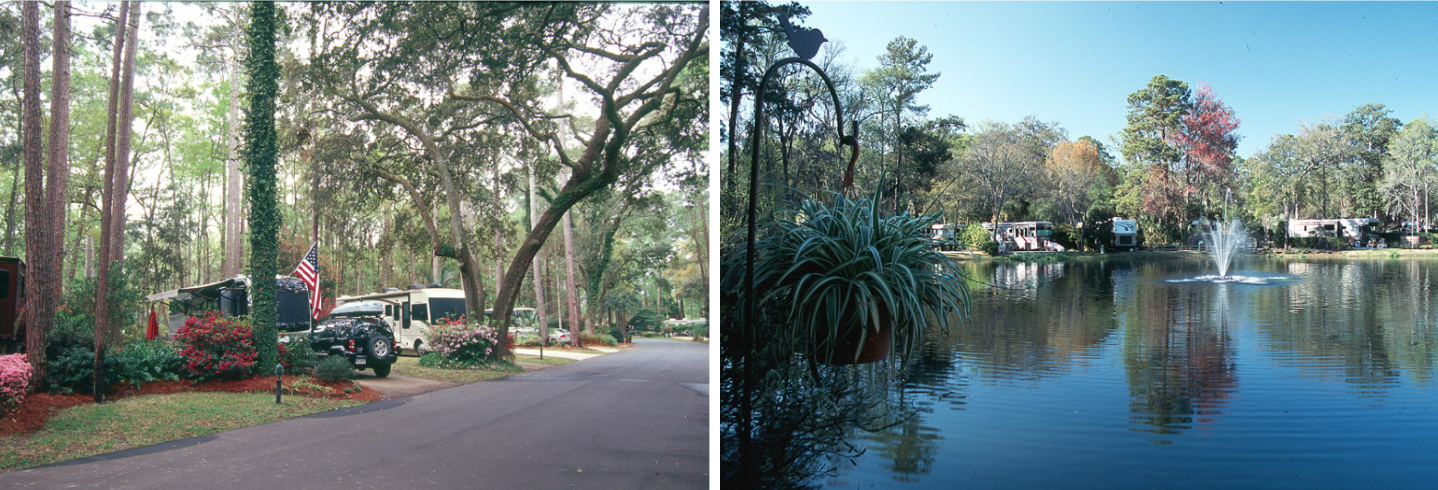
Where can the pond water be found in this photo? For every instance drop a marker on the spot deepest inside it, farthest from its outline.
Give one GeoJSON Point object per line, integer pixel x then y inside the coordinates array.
{"type": "Point", "coordinates": [1122, 374]}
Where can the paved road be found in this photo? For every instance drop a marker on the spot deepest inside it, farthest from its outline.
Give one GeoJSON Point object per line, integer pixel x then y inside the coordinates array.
{"type": "Point", "coordinates": [632, 420]}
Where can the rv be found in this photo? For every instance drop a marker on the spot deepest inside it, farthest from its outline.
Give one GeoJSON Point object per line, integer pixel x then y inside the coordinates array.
{"type": "Point", "coordinates": [1359, 230]}
{"type": "Point", "coordinates": [1025, 236]}
{"type": "Point", "coordinates": [410, 312]}
{"type": "Point", "coordinates": [231, 297]}
{"type": "Point", "coordinates": [1125, 233]}
{"type": "Point", "coordinates": [12, 302]}
{"type": "Point", "coordinates": [944, 235]}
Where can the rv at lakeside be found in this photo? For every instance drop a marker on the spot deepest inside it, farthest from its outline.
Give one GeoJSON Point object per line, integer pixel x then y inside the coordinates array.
{"type": "Point", "coordinates": [1125, 233]}
{"type": "Point", "coordinates": [1025, 236]}
{"type": "Point", "coordinates": [945, 235]}
{"type": "Point", "coordinates": [1360, 230]}
{"type": "Point", "coordinates": [231, 297]}
{"type": "Point", "coordinates": [410, 312]}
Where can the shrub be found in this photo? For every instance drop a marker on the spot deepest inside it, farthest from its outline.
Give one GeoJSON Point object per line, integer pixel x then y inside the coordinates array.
{"type": "Point", "coordinates": [14, 379]}
{"type": "Point", "coordinates": [71, 370]}
{"type": "Point", "coordinates": [596, 339]}
{"type": "Point", "coordinates": [466, 344]}
{"type": "Point", "coordinates": [977, 238]}
{"type": "Point", "coordinates": [297, 356]}
{"type": "Point", "coordinates": [216, 346]}
{"type": "Point", "coordinates": [333, 369]}
{"type": "Point", "coordinates": [439, 361]}
{"type": "Point", "coordinates": [617, 332]}
{"type": "Point", "coordinates": [144, 361]}
{"type": "Point", "coordinates": [646, 320]}
{"type": "Point", "coordinates": [526, 340]}
{"type": "Point", "coordinates": [701, 331]}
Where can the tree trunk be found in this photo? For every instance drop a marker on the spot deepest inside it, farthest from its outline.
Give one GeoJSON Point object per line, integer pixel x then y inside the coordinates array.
{"type": "Point", "coordinates": [538, 276]}
{"type": "Point", "coordinates": [57, 188]}
{"type": "Point", "coordinates": [572, 291]}
{"type": "Point", "coordinates": [36, 323]}
{"type": "Point", "coordinates": [234, 244]}
{"type": "Point", "coordinates": [107, 204]}
{"type": "Point", "coordinates": [261, 155]}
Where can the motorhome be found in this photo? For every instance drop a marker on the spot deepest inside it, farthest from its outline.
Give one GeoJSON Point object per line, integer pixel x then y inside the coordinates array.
{"type": "Point", "coordinates": [1125, 233]}
{"type": "Point", "coordinates": [1359, 230]}
{"type": "Point", "coordinates": [944, 235]}
{"type": "Point", "coordinates": [410, 312]}
{"type": "Point", "coordinates": [12, 302]}
{"type": "Point", "coordinates": [1025, 236]}
{"type": "Point", "coordinates": [231, 297]}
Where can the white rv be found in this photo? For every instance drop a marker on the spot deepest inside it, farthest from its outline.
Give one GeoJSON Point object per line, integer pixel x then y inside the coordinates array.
{"type": "Point", "coordinates": [1125, 233]}
{"type": "Point", "coordinates": [1358, 229]}
{"type": "Point", "coordinates": [1029, 236]}
{"type": "Point", "coordinates": [410, 312]}
{"type": "Point", "coordinates": [944, 235]}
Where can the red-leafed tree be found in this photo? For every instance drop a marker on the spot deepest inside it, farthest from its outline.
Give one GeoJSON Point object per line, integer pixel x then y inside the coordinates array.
{"type": "Point", "coordinates": [1207, 141]}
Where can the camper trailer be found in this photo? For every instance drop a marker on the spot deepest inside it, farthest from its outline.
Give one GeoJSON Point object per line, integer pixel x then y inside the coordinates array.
{"type": "Point", "coordinates": [1125, 234]}
{"type": "Point", "coordinates": [12, 301]}
{"type": "Point", "coordinates": [1359, 230]}
{"type": "Point", "coordinates": [944, 235]}
{"type": "Point", "coordinates": [1025, 236]}
{"type": "Point", "coordinates": [410, 312]}
{"type": "Point", "coordinates": [231, 297]}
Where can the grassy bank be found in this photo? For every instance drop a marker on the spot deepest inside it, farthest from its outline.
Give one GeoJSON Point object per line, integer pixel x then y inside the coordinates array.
{"type": "Point", "coordinates": [88, 430]}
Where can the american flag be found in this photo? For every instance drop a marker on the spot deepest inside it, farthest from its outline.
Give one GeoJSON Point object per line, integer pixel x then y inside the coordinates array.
{"type": "Point", "coordinates": [308, 272]}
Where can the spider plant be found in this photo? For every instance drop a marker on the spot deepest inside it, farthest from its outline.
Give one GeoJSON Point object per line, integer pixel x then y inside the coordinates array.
{"type": "Point", "coordinates": [843, 273]}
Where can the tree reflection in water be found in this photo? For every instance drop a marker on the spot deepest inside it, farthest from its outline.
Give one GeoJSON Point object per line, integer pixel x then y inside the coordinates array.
{"type": "Point", "coordinates": [805, 417]}
{"type": "Point", "coordinates": [1178, 358]}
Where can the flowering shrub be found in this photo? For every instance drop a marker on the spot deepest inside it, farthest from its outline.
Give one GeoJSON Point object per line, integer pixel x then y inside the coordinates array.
{"type": "Point", "coordinates": [461, 343]}
{"type": "Point", "coordinates": [14, 378]}
{"type": "Point", "coordinates": [216, 346]}
{"type": "Point", "coordinates": [297, 356]}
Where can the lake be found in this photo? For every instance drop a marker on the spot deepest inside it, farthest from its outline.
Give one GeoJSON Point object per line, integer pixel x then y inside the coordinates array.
{"type": "Point", "coordinates": [1120, 374]}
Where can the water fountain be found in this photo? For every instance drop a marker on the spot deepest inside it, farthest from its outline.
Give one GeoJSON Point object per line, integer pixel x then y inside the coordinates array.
{"type": "Point", "coordinates": [1223, 241]}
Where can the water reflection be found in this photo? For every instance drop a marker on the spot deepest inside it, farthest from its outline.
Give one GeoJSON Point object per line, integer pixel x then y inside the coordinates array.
{"type": "Point", "coordinates": [1178, 358]}
{"type": "Point", "coordinates": [1243, 385]}
{"type": "Point", "coordinates": [1367, 323]}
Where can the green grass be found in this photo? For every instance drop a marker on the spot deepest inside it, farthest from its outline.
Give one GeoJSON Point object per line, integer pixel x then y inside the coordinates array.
{"type": "Point", "coordinates": [548, 360]}
{"type": "Point", "coordinates": [409, 367]}
{"type": "Point", "coordinates": [88, 430]}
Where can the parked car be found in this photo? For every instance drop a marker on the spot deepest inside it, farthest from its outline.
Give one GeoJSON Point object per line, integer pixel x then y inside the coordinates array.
{"type": "Point", "coordinates": [366, 341]}
{"type": "Point", "coordinates": [558, 336]}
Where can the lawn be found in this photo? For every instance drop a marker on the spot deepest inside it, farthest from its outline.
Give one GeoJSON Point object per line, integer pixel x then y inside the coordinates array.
{"type": "Point", "coordinates": [88, 430]}
{"type": "Point", "coordinates": [409, 367]}
{"type": "Point", "coordinates": [548, 361]}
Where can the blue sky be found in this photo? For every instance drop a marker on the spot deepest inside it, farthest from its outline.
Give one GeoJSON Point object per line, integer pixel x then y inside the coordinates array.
{"type": "Point", "coordinates": [1277, 64]}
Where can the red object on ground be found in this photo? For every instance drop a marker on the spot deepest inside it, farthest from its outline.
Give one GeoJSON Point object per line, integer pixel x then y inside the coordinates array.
{"type": "Point", "coordinates": [153, 330]}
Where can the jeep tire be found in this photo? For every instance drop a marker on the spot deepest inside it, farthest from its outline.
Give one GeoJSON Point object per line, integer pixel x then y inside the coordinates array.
{"type": "Point", "coordinates": [381, 370]}
{"type": "Point", "coordinates": [380, 348]}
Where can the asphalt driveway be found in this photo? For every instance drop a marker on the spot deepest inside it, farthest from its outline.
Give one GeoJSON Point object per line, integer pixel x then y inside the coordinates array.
{"type": "Point", "coordinates": [634, 419]}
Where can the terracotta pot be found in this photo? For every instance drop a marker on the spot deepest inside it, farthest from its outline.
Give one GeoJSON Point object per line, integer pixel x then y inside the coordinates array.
{"type": "Point", "coordinates": [848, 349]}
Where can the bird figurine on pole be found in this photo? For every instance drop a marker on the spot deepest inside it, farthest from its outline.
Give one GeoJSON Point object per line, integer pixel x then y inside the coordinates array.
{"type": "Point", "coordinates": [804, 41]}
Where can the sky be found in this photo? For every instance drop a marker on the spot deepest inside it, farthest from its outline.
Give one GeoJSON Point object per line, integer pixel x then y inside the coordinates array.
{"type": "Point", "coordinates": [1276, 64]}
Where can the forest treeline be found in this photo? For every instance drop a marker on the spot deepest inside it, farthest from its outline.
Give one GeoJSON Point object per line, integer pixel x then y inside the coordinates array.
{"type": "Point", "coordinates": [1174, 161]}
{"type": "Point", "coordinates": [543, 155]}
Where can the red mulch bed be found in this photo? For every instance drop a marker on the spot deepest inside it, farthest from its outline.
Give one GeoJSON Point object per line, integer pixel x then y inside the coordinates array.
{"type": "Point", "coordinates": [31, 415]}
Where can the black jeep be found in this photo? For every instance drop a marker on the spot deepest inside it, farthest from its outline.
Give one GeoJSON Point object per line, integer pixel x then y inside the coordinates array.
{"type": "Point", "coordinates": [366, 341]}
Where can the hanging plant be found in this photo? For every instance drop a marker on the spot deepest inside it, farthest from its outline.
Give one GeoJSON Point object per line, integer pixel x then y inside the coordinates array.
{"type": "Point", "coordinates": [850, 280]}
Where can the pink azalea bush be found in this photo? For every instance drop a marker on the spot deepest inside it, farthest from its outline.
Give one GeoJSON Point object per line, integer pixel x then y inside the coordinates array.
{"type": "Point", "coordinates": [14, 378]}
{"type": "Point", "coordinates": [461, 343]}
